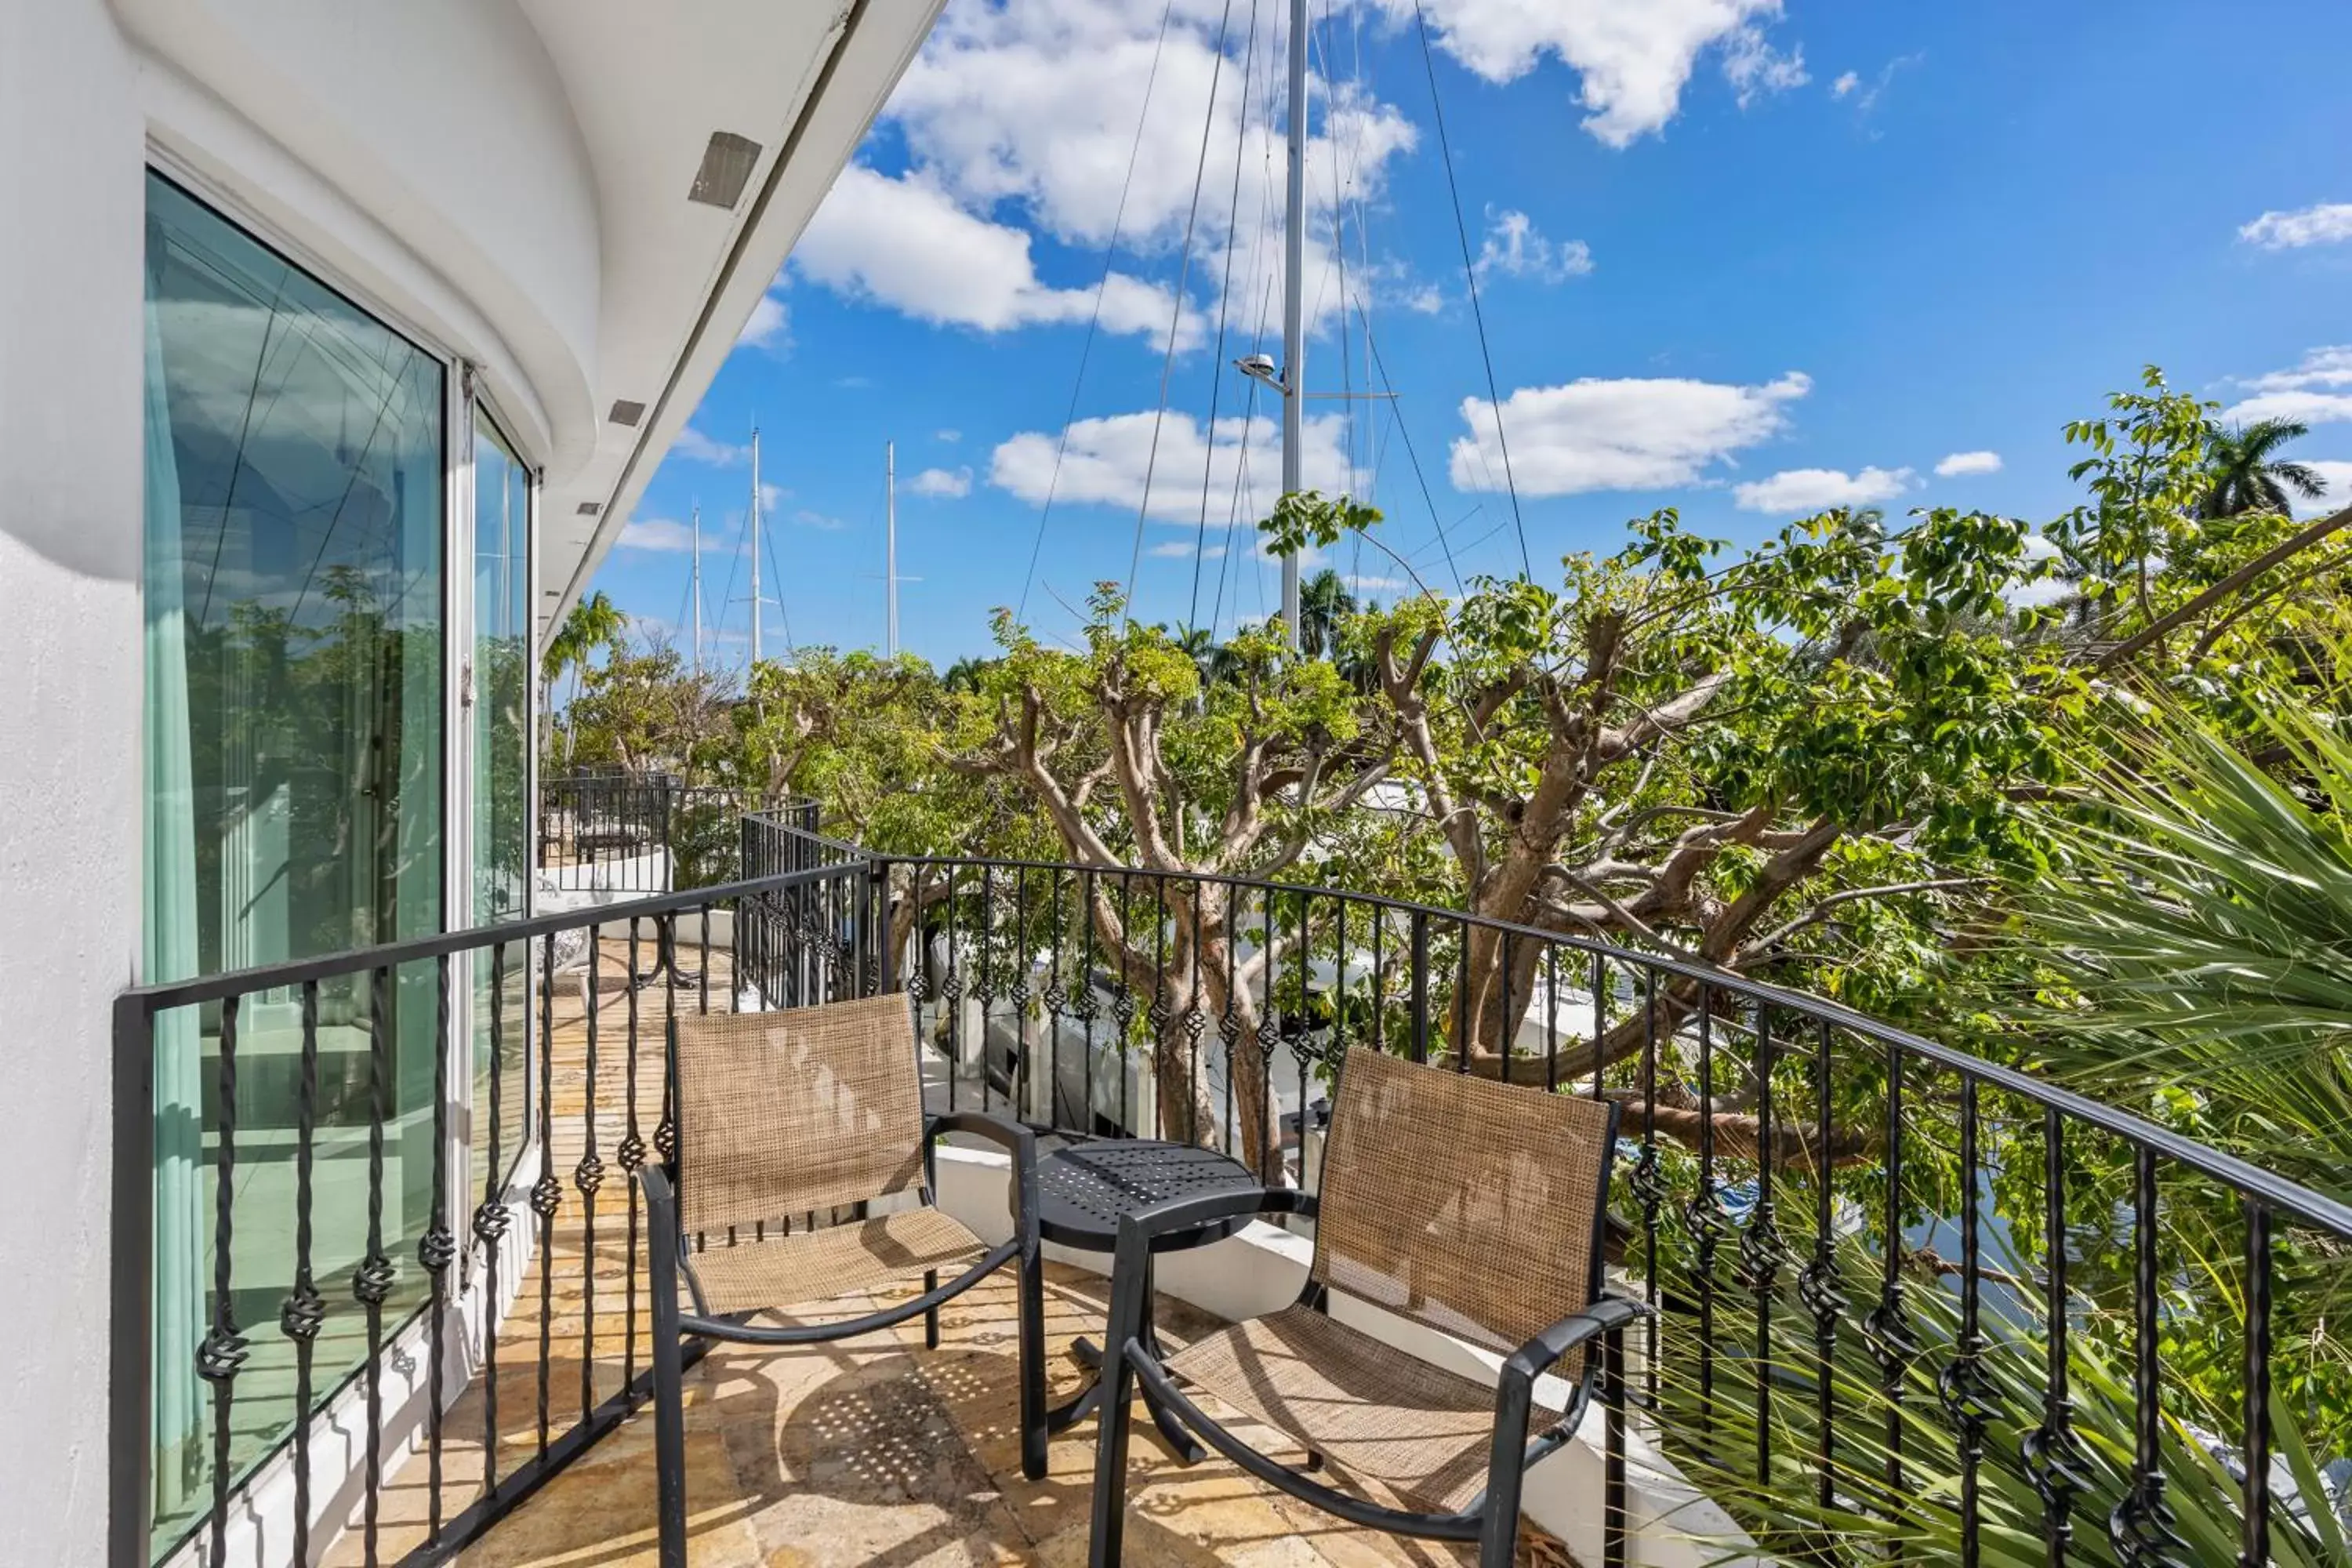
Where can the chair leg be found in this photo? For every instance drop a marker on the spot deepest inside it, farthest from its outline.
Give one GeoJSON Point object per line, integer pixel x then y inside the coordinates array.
{"type": "Point", "coordinates": [1116, 1413]}
{"type": "Point", "coordinates": [669, 1403]}
{"type": "Point", "coordinates": [1032, 1313]}
{"type": "Point", "coordinates": [1498, 1533]}
{"type": "Point", "coordinates": [931, 1318]}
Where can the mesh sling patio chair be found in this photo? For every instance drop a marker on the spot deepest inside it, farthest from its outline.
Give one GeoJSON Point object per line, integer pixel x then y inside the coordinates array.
{"type": "Point", "coordinates": [1468, 1206]}
{"type": "Point", "coordinates": [790, 1116]}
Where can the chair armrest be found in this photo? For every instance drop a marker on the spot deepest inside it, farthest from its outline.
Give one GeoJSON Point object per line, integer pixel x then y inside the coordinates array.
{"type": "Point", "coordinates": [660, 1197]}
{"type": "Point", "coordinates": [1017, 1140]}
{"type": "Point", "coordinates": [1604, 1316]}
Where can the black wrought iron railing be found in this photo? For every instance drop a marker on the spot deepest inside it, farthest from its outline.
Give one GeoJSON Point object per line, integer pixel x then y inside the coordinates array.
{"type": "Point", "coordinates": [615, 832]}
{"type": "Point", "coordinates": [363, 1204]}
{"type": "Point", "coordinates": [1906, 1298]}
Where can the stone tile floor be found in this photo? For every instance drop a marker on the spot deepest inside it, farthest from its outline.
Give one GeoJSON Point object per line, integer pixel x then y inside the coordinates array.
{"type": "Point", "coordinates": [880, 1453]}
{"type": "Point", "coordinates": [875, 1453]}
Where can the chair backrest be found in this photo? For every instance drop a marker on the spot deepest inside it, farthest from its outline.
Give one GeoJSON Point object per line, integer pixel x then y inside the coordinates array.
{"type": "Point", "coordinates": [1474, 1206]}
{"type": "Point", "coordinates": [783, 1113]}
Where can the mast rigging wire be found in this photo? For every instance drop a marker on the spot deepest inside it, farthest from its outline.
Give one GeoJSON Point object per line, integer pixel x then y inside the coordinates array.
{"type": "Point", "coordinates": [1094, 321]}
{"type": "Point", "coordinates": [1224, 305]}
{"type": "Point", "coordinates": [1176, 312]}
{"type": "Point", "coordinates": [1470, 277]}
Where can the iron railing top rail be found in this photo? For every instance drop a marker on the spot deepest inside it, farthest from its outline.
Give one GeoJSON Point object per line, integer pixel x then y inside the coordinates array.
{"type": "Point", "coordinates": [165, 994]}
{"type": "Point", "coordinates": [2248, 1180]}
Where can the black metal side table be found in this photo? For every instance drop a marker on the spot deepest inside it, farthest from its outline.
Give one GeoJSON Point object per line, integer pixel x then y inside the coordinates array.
{"type": "Point", "coordinates": [1083, 1190]}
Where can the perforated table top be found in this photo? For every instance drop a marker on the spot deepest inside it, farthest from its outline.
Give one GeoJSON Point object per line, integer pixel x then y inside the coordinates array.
{"type": "Point", "coordinates": [1083, 1190]}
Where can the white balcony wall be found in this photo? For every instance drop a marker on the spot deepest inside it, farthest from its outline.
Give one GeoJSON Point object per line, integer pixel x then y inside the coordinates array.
{"type": "Point", "coordinates": [70, 344]}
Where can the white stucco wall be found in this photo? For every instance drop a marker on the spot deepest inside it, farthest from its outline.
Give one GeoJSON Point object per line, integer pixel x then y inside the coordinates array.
{"type": "Point", "coordinates": [457, 138]}
{"type": "Point", "coordinates": [71, 224]}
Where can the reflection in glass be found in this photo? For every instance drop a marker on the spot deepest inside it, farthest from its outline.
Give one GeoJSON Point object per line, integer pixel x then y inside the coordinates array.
{"type": "Point", "coordinates": [293, 729]}
{"type": "Point", "coordinates": [502, 827]}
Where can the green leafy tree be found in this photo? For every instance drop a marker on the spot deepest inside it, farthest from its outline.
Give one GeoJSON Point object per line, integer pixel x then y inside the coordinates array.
{"type": "Point", "coordinates": [1130, 765]}
{"type": "Point", "coordinates": [2245, 474]}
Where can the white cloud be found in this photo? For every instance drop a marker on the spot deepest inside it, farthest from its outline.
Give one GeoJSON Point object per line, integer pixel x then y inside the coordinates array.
{"type": "Point", "coordinates": [1107, 459]}
{"type": "Point", "coordinates": [1023, 118]}
{"type": "Point", "coordinates": [1959, 464]}
{"type": "Point", "coordinates": [772, 496]}
{"type": "Point", "coordinates": [944, 484]}
{"type": "Point", "coordinates": [2328, 223]}
{"type": "Point", "coordinates": [770, 327]}
{"type": "Point", "coordinates": [1845, 84]}
{"type": "Point", "coordinates": [656, 533]}
{"type": "Point", "coordinates": [697, 448]}
{"type": "Point", "coordinates": [2337, 478]}
{"type": "Point", "coordinates": [2317, 391]}
{"type": "Point", "coordinates": [1181, 549]}
{"type": "Point", "coordinates": [1756, 69]}
{"type": "Point", "coordinates": [950, 436]}
{"type": "Point", "coordinates": [1619, 435]}
{"type": "Point", "coordinates": [1794, 490]}
{"type": "Point", "coordinates": [808, 519]}
{"type": "Point", "coordinates": [1515, 246]}
{"type": "Point", "coordinates": [1425, 299]}
{"type": "Point", "coordinates": [1632, 60]}
{"type": "Point", "coordinates": [907, 243]}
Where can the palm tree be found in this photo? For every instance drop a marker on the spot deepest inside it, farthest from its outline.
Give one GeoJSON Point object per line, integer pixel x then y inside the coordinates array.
{"type": "Point", "coordinates": [964, 674]}
{"type": "Point", "coordinates": [594, 623]}
{"type": "Point", "coordinates": [1323, 603]}
{"type": "Point", "coordinates": [2244, 477]}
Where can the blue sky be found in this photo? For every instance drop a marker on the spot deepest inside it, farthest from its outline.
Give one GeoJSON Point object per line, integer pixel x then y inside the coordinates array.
{"type": "Point", "coordinates": [1740, 257]}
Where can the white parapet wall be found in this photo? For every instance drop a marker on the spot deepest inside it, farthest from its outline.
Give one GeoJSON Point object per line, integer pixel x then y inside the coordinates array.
{"type": "Point", "coordinates": [1262, 1269]}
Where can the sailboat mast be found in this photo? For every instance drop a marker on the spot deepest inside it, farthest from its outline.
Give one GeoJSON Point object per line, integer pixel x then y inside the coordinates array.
{"type": "Point", "coordinates": [891, 549]}
{"type": "Point", "coordinates": [754, 515]}
{"type": "Point", "coordinates": [697, 575]}
{"type": "Point", "coordinates": [1294, 324]}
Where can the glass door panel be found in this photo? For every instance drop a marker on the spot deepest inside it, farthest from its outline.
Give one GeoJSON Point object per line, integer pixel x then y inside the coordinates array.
{"type": "Point", "coordinates": [294, 624]}
{"type": "Point", "coordinates": [498, 743]}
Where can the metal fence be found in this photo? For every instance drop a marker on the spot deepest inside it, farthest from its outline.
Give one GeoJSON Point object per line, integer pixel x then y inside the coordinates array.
{"type": "Point", "coordinates": [638, 833]}
{"type": "Point", "coordinates": [360, 1202]}
{"type": "Point", "coordinates": [363, 1207]}
{"type": "Point", "coordinates": [1872, 1258]}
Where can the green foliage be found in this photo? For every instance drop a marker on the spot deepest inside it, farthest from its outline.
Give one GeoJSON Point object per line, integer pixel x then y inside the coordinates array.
{"type": "Point", "coordinates": [1304, 520]}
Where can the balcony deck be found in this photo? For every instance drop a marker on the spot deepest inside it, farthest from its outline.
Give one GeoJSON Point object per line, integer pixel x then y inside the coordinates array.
{"type": "Point", "coordinates": [875, 1452]}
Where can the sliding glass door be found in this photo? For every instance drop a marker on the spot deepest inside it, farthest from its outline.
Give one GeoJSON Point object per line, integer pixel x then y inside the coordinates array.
{"type": "Point", "coordinates": [498, 776]}
{"type": "Point", "coordinates": [295, 762]}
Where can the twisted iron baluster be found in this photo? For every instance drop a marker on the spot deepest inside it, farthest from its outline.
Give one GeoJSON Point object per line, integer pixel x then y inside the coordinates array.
{"type": "Point", "coordinates": [2257, 1548]}
{"type": "Point", "coordinates": [490, 1219]}
{"type": "Point", "coordinates": [1648, 1181]}
{"type": "Point", "coordinates": [587, 1176]}
{"type": "Point", "coordinates": [1893, 1344]}
{"type": "Point", "coordinates": [1963, 1385]}
{"type": "Point", "coordinates": [1762, 1250]}
{"type": "Point", "coordinates": [2054, 1461]}
{"type": "Point", "coordinates": [2142, 1526]}
{"type": "Point", "coordinates": [373, 1281]}
{"type": "Point", "coordinates": [305, 1311]}
{"type": "Point", "coordinates": [547, 1192]}
{"type": "Point", "coordinates": [1819, 1286]}
{"type": "Point", "coordinates": [1122, 996]}
{"type": "Point", "coordinates": [1705, 1217]}
{"type": "Point", "coordinates": [1020, 993]}
{"type": "Point", "coordinates": [631, 1155]}
{"type": "Point", "coordinates": [438, 1248]}
{"type": "Point", "coordinates": [983, 987]}
{"type": "Point", "coordinates": [222, 1350]}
